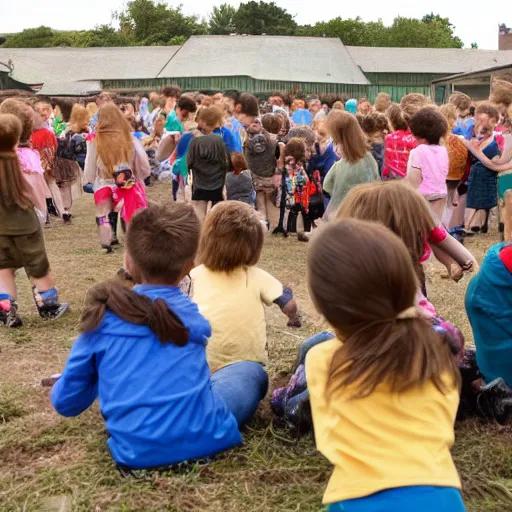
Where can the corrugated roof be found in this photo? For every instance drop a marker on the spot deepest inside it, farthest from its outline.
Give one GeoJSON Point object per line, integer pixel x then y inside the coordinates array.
{"type": "Point", "coordinates": [426, 60]}
{"type": "Point", "coordinates": [40, 65]}
{"type": "Point", "coordinates": [295, 59]}
{"type": "Point", "coordinates": [83, 88]}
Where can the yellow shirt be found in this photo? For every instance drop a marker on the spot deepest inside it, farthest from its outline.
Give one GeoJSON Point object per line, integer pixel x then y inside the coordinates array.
{"type": "Point", "coordinates": [383, 441]}
{"type": "Point", "coordinates": [234, 305]}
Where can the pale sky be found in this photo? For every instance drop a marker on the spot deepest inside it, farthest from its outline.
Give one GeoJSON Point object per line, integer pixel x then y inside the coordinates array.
{"type": "Point", "coordinates": [480, 24]}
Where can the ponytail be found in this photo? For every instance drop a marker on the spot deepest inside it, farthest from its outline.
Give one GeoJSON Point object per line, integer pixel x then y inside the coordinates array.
{"type": "Point", "coordinates": [396, 117]}
{"type": "Point", "coordinates": [133, 308]}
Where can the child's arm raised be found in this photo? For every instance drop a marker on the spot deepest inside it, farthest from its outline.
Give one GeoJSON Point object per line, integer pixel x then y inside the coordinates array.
{"type": "Point", "coordinates": [77, 388]}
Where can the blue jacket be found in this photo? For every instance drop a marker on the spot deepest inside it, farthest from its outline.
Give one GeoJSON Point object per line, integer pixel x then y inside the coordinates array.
{"type": "Point", "coordinates": [322, 162]}
{"type": "Point", "coordinates": [489, 308]}
{"type": "Point", "coordinates": [157, 400]}
{"type": "Point", "coordinates": [229, 139]}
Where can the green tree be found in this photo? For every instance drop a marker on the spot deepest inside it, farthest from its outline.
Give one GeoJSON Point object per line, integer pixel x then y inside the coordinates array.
{"type": "Point", "coordinates": [154, 23]}
{"type": "Point", "coordinates": [103, 35]}
{"type": "Point", "coordinates": [221, 20]}
{"type": "Point", "coordinates": [474, 46]}
{"type": "Point", "coordinates": [258, 18]}
{"type": "Point", "coordinates": [39, 37]}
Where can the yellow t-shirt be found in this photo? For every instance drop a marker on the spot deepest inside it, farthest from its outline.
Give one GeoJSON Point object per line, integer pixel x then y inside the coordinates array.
{"type": "Point", "coordinates": [233, 304]}
{"type": "Point", "coordinates": [383, 441]}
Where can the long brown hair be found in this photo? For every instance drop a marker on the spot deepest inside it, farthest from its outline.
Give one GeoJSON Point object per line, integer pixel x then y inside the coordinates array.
{"type": "Point", "coordinates": [14, 189]}
{"type": "Point", "coordinates": [79, 120]}
{"type": "Point", "coordinates": [396, 205]}
{"type": "Point", "coordinates": [114, 142]}
{"type": "Point", "coordinates": [345, 130]}
{"type": "Point", "coordinates": [362, 280]}
{"type": "Point", "coordinates": [133, 308]}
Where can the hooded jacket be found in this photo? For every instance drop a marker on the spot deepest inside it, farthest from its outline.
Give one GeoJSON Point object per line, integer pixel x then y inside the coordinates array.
{"type": "Point", "coordinates": [156, 398]}
{"type": "Point", "coordinates": [489, 308]}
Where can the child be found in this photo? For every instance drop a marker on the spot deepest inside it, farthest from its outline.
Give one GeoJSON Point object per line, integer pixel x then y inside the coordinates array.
{"type": "Point", "coordinates": [296, 188]}
{"type": "Point", "coordinates": [376, 127]}
{"type": "Point", "coordinates": [465, 122]}
{"type": "Point", "coordinates": [403, 210]}
{"type": "Point", "coordinates": [30, 161]}
{"type": "Point", "coordinates": [239, 185]}
{"type": "Point", "coordinates": [482, 181]}
{"type": "Point", "coordinates": [231, 292]}
{"type": "Point", "coordinates": [143, 353]}
{"type": "Point", "coordinates": [382, 102]}
{"type": "Point", "coordinates": [261, 150]}
{"type": "Point", "coordinates": [357, 165]}
{"type": "Point", "coordinates": [428, 165]}
{"type": "Point", "coordinates": [388, 378]}
{"type": "Point", "coordinates": [21, 235]}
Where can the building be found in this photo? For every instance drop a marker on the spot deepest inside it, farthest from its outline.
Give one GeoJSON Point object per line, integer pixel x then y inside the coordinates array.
{"type": "Point", "coordinates": [258, 64]}
{"type": "Point", "coordinates": [504, 37]}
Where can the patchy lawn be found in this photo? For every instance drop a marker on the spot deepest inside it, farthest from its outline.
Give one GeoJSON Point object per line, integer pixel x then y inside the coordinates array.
{"type": "Point", "coordinates": [51, 463]}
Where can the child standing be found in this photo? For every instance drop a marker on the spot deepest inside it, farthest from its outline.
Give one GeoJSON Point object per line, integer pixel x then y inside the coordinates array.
{"type": "Point", "coordinates": [388, 378]}
{"type": "Point", "coordinates": [376, 127]}
{"type": "Point", "coordinates": [143, 353]}
{"type": "Point", "coordinates": [21, 235]}
{"type": "Point", "coordinates": [231, 292]}
{"type": "Point", "coordinates": [428, 163]}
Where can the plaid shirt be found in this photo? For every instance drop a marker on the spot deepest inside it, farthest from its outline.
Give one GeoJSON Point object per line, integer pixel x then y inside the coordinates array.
{"type": "Point", "coordinates": [396, 153]}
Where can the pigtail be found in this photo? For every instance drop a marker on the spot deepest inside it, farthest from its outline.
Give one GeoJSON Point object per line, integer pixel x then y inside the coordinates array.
{"type": "Point", "coordinates": [133, 308]}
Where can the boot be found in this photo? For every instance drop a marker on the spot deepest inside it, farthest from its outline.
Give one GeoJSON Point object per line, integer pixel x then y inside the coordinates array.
{"type": "Point", "coordinates": [48, 304]}
{"type": "Point", "coordinates": [105, 231]}
{"type": "Point", "coordinates": [9, 312]}
{"type": "Point", "coordinates": [50, 206]}
{"type": "Point", "coordinates": [112, 218]}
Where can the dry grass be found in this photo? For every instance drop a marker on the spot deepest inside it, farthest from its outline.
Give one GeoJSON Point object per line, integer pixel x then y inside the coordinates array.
{"type": "Point", "coordinates": [50, 463]}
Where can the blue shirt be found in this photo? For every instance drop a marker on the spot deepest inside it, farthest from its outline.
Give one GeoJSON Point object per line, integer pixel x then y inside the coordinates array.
{"type": "Point", "coordinates": [465, 128]}
{"type": "Point", "coordinates": [156, 399]}
{"type": "Point", "coordinates": [227, 136]}
{"type": "Point", "coordinates": [489, 309]}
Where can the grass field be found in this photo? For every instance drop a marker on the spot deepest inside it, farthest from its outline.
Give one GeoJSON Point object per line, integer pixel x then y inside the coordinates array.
{"type": "Point", "coordinates": [51, 463]}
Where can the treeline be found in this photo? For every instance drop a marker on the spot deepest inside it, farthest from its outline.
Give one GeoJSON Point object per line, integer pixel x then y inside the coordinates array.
{"type": "Point", "coordinates": [150, 22]}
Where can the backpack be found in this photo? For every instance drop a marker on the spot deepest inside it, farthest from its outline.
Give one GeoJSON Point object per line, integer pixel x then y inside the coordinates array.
{"type": "Point", "coordinates": [66, 167]}
{"type": "Point", "coordinates": [260, 151]}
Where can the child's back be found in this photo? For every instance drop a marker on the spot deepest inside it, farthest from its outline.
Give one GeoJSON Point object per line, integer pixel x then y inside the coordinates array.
{"type": "Point", "coordinates": [156, 398]}
{"type": "Point", "coordinates": [239, 187]}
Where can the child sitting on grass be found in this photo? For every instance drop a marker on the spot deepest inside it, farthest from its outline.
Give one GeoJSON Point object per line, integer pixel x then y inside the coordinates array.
{"type": "Point", "coordinates": [231, 293]}
{"type": "Point", "coordinates": [384, 392]}
{"type": "Point", "coordinates": [143, 352]}
{"type": "Point", "coordinates": [21, 235]}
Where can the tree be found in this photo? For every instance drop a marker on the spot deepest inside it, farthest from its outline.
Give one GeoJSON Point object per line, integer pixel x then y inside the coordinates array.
{"type": "Point", "coordinates": [474, 46]}
{"type": "Point", "coordinates": [221, 20]}
{"type": "Point", "coordinates": [258, 18]}
{"type": "Point", "coordinates": [39, 37]}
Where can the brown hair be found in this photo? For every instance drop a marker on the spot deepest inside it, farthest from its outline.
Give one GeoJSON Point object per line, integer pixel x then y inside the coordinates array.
{"type": "Point", "coordinates": [211, 116]}
{"type": "Point", "coordinates": [345, 130]}
{"type": "Point", "coordinates": [501, 92]}
{"type": "Point", "coordinates": [79, 121]}
{"type": "Point", "coordinates": [162, 240]}
{"type": "Point", "coordinates": [396, 205]}
{"type": "Point", "coordinates": [272, 123]}
{"type": "Point", "coordinates": [382, 102]}
{"type": "Point", "coordinates": [377, 346]}
{"type": "Point", "coordinates": [429, 124]}
{"type": "Point", "coordinates": [66, 107]}
{"type": "Point", "coordinates": [113, 138]}
{"type": "Point", "coordinates": [338, 105]}
{"type": "Point", "coordinates": [187, 103]}
{"type": "Point", "coordinates": [238, 161]}
{"type": "Point", "coordinates": [412, 103]}
{"type": "Point", "coordinates": [396, 117]}
{"type": "Point", "coordinates": [172, 91]}
{"type": "Point", "coordinates": [24, 112]}
{"type": "Point", "coordinates": [449, 111]}
{"type": "Point", "coordinates": [375, 122]}
{"type": "Point", "coordinates": [249, 104]}
{"type": "Point", "coordinates": [232, 237]}
{"type": "Point", "coordinates": [14, 189]}
{"type": "Point", "coordinates": [296, 148]}
{"type": "Point", "coordinates": [460, 100]}
{"type": "Point", "coordinates": [133, 308]}
{"type": "Point", "coordinates": [489, 109]}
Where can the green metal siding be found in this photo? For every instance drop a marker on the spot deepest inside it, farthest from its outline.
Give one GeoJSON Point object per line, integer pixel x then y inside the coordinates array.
{"type": "Point", "coordinates": [240, 83]}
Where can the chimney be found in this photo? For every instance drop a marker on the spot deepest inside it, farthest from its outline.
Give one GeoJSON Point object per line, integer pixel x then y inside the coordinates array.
{"type": "Point", "coordinates": [505, 37]}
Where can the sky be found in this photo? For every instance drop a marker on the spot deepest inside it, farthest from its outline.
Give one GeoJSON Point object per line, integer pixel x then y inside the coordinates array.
{"type": "Point", "coordinates": [480, 27]}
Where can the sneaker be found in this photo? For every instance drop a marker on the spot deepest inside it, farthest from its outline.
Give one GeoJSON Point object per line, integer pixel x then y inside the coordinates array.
{"type": "Point", "coordinates": [9, 314]}
{"type": "Point", "coordinates": [108, 249]}
{"type": "Point", "coordinates": [495, 401]}
{"type": "Point", "coordinates": [115, 240]}
{"type": "Point", "coordinates": [66, 217]}
{"type": "Point", "coordinates": [302, 237]}
{"type": "Point", "coordinates": [53, 310]}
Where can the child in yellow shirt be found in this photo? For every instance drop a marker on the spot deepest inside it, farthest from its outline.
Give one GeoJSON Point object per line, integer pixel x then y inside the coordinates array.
{"type": "Point", "coordinates": [384, 393]}
{"type": "Point", "coordinates": [232, 293]}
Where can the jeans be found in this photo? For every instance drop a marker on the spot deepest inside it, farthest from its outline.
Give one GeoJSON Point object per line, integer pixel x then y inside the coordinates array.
{"type": "Point", "coordinates": [242, 386]}
{"type": "Point", "coordinates": [405, 499]}
{"type": "Point", "coordinates": [316, 339]}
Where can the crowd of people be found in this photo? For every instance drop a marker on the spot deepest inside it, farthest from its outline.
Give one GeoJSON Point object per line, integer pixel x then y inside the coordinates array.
{"type": "Point", "coordinates": [175, 345]}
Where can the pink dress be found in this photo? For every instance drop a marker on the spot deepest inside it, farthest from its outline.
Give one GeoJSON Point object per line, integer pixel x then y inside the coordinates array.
{"type": "Point", "coordinates": [33, 172]}
{"type": "Point", "coordinates": [434, 164]}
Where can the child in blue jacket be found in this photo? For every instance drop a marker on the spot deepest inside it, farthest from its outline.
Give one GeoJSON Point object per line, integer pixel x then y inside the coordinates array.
{"type": "Point", "coordinates": [143, 353]}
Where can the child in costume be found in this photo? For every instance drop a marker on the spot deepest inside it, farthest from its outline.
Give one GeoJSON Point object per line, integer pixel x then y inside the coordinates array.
{"type": "Point", "coordinates": [428, 165]}
{"type": "Point", "coordinates": [21, 235]}
{"type": "Point", "coordinates": [384, 400]}
{"type": "Point", "coordinates": [142, 352]}
{"type": "Point", "coordinates": [231, 291]}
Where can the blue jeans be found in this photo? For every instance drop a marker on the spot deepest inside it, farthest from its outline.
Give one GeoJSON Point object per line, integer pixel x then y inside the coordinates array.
{"type": "Point", "coordinates": [316, 339]}
{"type": "Point", "coordinates": [405, 499]}
{"type": "Point", "coordinates": [242, 386]}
